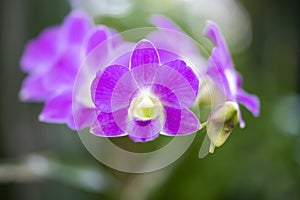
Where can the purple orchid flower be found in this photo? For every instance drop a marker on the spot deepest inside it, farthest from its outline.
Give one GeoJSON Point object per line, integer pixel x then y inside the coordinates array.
{"type": "Point", "coordinates": [146, 98]}
{"type": "Point", "coordinates": [221, 70]}
{"type": "Point", "coordinates": [52, 61]}
{"type": "Point", "coordinates": [54, 52]}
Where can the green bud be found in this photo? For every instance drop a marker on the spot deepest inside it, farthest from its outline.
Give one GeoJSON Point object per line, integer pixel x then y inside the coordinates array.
{"type": "Point", "coordinates": [221, 122]}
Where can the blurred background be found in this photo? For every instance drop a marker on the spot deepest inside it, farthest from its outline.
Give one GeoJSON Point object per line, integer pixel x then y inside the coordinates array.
{"type": "Point", "coordinates": [262, 161]}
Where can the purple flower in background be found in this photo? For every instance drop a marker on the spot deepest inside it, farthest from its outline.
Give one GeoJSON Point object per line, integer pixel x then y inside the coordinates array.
{"type": "Point", "coordinates": [171, 38]}
{"type": "Point", "coordinates": [52, 58]}
{"type": "Point", "coordinates": [52, 61]}
{"type": "Point", "coordinates": [221, 70]}
{"type": "Point", "coordinates": [146, 98]}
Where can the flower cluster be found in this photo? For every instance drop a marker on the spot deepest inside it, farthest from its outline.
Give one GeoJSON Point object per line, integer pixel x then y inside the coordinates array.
{"type": "Point", "coordinates": [139, 90]}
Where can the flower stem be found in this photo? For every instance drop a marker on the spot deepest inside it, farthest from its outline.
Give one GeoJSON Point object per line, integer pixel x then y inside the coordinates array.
{"type": "Point", "coordinates": [203, 125]}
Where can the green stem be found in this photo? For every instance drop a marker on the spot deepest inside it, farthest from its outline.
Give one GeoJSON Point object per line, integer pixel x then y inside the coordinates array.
{"type": "Point", "coordinates": [203, 125]}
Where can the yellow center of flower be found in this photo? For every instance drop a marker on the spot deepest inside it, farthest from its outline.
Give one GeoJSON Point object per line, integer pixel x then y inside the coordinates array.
{"type": "Point", "coordinates": [145, 106]}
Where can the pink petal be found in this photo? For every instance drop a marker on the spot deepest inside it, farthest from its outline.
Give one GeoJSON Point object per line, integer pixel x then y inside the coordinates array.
{"type": "Point", "coordinates": [41, 52]}
{"type": "Point", "coordinates": [63, 71]}
{"type": "Point", "coordinates": [251, 102]}
{"type": "Point", "coordinates": [58, 109]}
{"type": "Point", "coordinates": [33, 89]}
{"type": "Point", "coordinates": [97, 36]}
{"type": "Point", "coordinates": [180, 122]}
{"type": "Point", "coordinates": [75, 28]}
{"type": "Point", "coordinates": [83, 117]}
{"type": "Point", "coordinates": [144, 131]}
{"type": "Point", "coordinates": [163, 22]}
{"type": "Point", "coordinates": [144, 53]}
{"type": "Point", "coordinates": [171, 79]}
{"type": "Point", "coordinates": [108, 83]}
{"type": "Point", "coordinates": [110, 124]}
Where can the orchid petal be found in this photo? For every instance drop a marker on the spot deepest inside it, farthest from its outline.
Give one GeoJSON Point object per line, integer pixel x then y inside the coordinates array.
{"type": "Point", "coordinates": [144, 74]}
{"type": "Point", "coordinates": [186, 72]}
{"type": "Point", "coordinates": [143, 54]}
{"type": "Point", "coordinates": [58, 108]}
{"type": "Point", "coordinates": [180, 122]}
{"type": "Point", "coordinates": [163, 22]}
{"type": "Point", "coordinates": [40, 52]}
{"type": "Point", "coordinates": [251, 102]}
{"type": "Point", "coordinates": [63, 72]}
{"type": "Point", "coordinates": [166, 95]}
{"type": "Point", "coordinates": [124, 91]}
{"type": "Point", "coordinates": [241, 120]}
{"type": "Point", "coordinates": [214, 33]}
{"type": "Point", "coordinates": [75, 27]}
{"type": "Point", "coordinates": [169, 77]}
{"type": "Point", "coordinates": [110, 124]}
{"type": "Point", "coordinates": [97, 36]}
{"type": "Point", "coordinates": [33, 89]}
{"type": "Point", "coordinates": [217, 72]}
{"type": "Point", "coordinates": [144, 131]}
{"type": "Point", "coordinates": [83, 117]}
{"type": "Point", "coordinates": [104, 84]}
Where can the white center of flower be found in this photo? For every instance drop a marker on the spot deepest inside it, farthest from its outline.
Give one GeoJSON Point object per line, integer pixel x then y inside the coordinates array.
{"type": "Point", "coordinates": [145, 106]}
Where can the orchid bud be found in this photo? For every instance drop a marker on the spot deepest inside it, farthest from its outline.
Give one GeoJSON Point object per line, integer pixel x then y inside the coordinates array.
{"type": "Point", "coordinates": [221, 122]}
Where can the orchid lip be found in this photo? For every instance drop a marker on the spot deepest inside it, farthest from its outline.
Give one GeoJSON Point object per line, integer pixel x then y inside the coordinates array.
{"type": "Point", "coordinates": [145, 106]}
